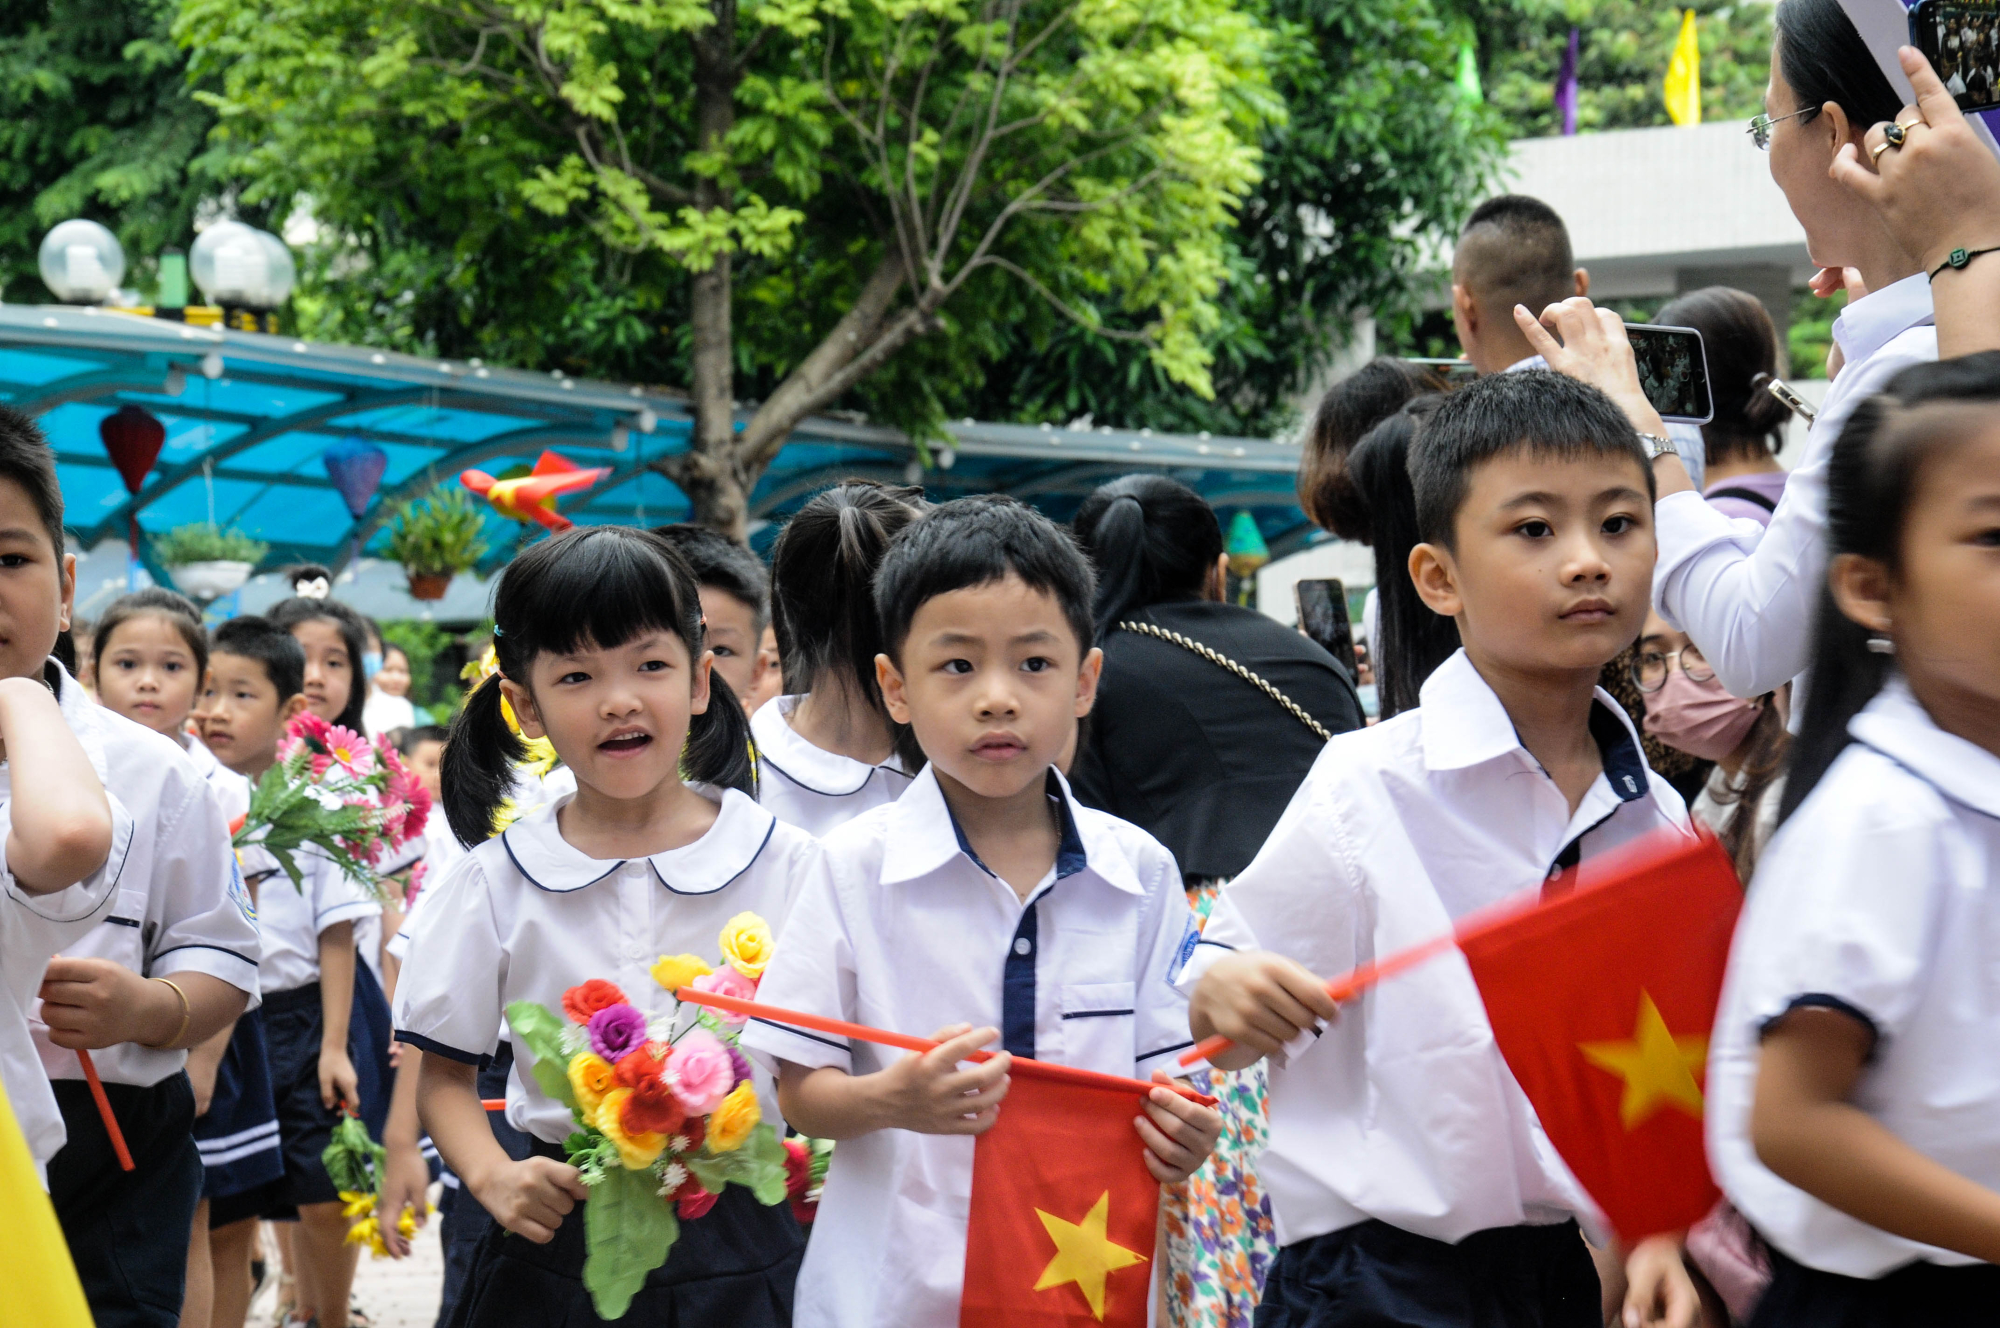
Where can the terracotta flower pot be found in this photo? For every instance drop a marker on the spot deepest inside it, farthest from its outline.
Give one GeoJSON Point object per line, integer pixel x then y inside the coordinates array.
{"type": "Point", "coordinates": [429, 585]}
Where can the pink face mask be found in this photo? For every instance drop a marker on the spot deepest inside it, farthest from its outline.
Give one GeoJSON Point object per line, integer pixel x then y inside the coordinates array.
{"type": "Point", "coordinates": [1698, 718]}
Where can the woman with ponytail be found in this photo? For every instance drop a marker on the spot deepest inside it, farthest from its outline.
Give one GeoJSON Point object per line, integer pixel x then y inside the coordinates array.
{"type": "Point", "coordinates": [599, 637]}
{"type": "Point", "coordinates": [1854, 1077]}
{"type": "Point", "coordinates": [827, 749]}
{"type": "Point", "coordinates": [1204, 759]}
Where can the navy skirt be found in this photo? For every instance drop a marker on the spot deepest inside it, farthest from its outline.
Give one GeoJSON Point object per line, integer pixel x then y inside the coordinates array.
{"type": "Point", "coordinates": [238, 1137]}
{"type": "Point", "coordinates": [1917, 1295]}
{"type": "Point", "coordinates": [733, 1267]}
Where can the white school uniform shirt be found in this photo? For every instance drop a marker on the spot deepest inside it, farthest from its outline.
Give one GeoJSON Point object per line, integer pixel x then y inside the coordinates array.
{"type": "Point", "coordinates": [902, 928]}
{"type": "Point", "coordinates": [1747, 594]}
{"type": "Point", "coordinates": [525, 916]}
{"type": "Point", "coordinates": [1404, 1110]}
{"type": "Point", "coordinates": [810, 787]}
{"type": "Point", "coordinates": [440, 852]}
{"type": "Point", "coordinates": [1879, 898]}
{"type": "Point", "coordinates": [33, 928]}
{"type": "Point", "coordinates": [231, 790]}
{"type": "Point", "coordinates": [180, 906]}
{"type": "Point", "coordinates": [292, 917]}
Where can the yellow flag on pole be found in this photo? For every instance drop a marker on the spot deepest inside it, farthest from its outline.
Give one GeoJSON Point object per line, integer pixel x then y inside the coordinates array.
{"type": "Point", "coordinates": [42, 1290]}
{"type": "Point", "coordinates": [1684, 75]}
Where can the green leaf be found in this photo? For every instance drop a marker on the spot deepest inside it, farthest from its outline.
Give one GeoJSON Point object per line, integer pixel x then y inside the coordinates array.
{"type": "Point", "coordinates": [758, 1165]}
{"type": "Point", "coordinates": [353, 1161]}
{"type": "Point", "coordinates": [628, 1231]}
{"type": "Point", "coordinates": [540, 1031]}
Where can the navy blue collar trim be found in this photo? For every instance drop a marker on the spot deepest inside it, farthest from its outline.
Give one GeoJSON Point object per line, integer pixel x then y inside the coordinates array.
{"type": "Point", "coordinates": [1624, 764]}
{"type": "Point", "coordinates": [1070, 855]}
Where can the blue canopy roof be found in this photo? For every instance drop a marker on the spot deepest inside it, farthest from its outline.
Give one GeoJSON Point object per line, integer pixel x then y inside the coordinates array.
{"type": "Point", "coordinates": [248, 418]}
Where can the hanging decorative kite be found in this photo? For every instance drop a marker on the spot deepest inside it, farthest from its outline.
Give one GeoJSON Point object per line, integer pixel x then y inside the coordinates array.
{"type": "Point", "coordinates": [532, 497]}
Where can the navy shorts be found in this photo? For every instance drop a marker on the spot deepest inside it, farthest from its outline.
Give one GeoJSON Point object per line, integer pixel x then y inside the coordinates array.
{"type": "Point", "coordinates": [238, 1137]}
{"type": "Point", "coordinates": [1381, 1276]}
{"type": "Point", "coordinates": [1917, 1295]}
{"type": "Point", "coordinates": [128, 1230]}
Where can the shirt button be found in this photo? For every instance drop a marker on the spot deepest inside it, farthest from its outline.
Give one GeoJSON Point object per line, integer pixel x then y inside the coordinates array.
{"type": "Point", "coordinates": [1022, 945]}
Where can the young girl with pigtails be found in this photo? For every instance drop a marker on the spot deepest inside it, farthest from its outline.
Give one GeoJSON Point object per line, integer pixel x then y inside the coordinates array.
{"type": "Point", "coordinates": [599, 637]}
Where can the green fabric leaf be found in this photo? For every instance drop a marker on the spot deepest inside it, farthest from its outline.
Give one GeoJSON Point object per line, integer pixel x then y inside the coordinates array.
{"type": "Point", "coordinates": [352, 1159]}
{"type": "Point", "coordinates": [758, 1165]}
{"type": "Point", "coordinates": [540, 1031]}
{"type": "Point", "coordinates": [628, 1230]}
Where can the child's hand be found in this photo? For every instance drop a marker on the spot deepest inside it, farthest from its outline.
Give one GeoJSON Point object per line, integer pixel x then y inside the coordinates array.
{"type": "Point", "coordinates": [1658, 1291]}
{"type": "Point", "coordinates": [929, 1094]}
{"type": "Point", "coordinates": [1259, 1001]}
{"type": "Point", "coordinates": [406, 1183]}
{"type": "Point", "coordinates": [338, 1085]}
{"type": "Point", "coordinates": [94, 1003]}
{"type": "Point", "coordinates": [1179, 1135]}
{"type": "Point", "coordinates": [530, 1198]}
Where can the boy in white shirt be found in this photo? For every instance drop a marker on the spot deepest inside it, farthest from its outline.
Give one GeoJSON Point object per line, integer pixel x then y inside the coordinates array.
{"type": "Point", "coordinates": [985, 895]}
{"type": "Point", "coordinates": [1410, 1179]}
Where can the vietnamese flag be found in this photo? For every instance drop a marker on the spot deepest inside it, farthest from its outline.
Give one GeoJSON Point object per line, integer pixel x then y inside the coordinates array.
{"type": "Point", "coordinates": [1602, 1001]}
{"type": "Point", "coordinates": [1063, 1208]}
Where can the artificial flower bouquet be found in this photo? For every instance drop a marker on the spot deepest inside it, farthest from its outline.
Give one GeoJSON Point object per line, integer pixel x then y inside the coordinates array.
{"type": "Point", "coordinates": [333, 790]}
{"type": "Point", "coordinates": [355, 1162]}
{"type": "Point", "coordinates": [666, 1115]}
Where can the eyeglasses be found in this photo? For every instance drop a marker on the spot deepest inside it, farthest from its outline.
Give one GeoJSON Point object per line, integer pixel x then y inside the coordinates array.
{"type": "Point", "coordinates": [1760, 126]}
{"type": "Point", "coordinates": [1649, 671]}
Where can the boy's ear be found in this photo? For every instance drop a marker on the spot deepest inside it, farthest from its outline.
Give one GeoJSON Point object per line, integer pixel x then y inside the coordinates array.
{"type": "Point", "coordinates": [890, 679]}
{"type": "Point", "coordinates": [1860, 588]}
{"type": "Point", "coordinates": [1087, 677]}
{"type": "Point", "coordinates": [1435, 575]}
{"type": "Point", "coordinates": [525, 714]}
{"type": "Point", "coordinates": [68, 591]}
{"type": "Point", "coordinates": [704, 669]}
{"type": "Point", "coordinates": [293, 708]}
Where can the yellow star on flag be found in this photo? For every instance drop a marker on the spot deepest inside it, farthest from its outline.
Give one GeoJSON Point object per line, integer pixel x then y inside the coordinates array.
{"type": "Point", "coordinates": [1084, 1254]}
{"type": "Point", "coordinates": [1658, 1068]}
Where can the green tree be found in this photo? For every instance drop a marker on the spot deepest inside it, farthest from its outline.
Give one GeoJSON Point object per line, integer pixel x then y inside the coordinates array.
{"type": "Point", "coordinates": [96, 120]}
{"type": "Point", "coordinates": [818, 184]}
{"type": "Point", "coordinates": [1378, 158]}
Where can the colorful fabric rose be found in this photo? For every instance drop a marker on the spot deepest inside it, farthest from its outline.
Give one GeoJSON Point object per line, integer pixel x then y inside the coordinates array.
{"type": "Point", "coordinates": [728, 982]}
{"type": "Point", "coordinates": [617, 1031]}
{"type": "Point", "coordinates": [741, 1065]}
{"type": "Point", "coordinates": [652, 1109]}
{"type": "Point", "coordinates": [590, 1078]}
{"type": "Point", "coordinates": [700, 1072]}
{"type": "Point", "coordinates": [694, 1201]}
{"type": "Point", "coordinates": [637, 1151]}
{"type": "Point", "coordinates": [642, 1064]}
{"type": "Point", "coordinates": [676, 971]}
{"type": "Point", "coordinates": [731, 1122]}
{"type": "Point", "coordinates": [798, 1180]}
{"type": "Point", "coordinates": [587, 998]}
{"type": "Point", "coordinates": [747, 944]}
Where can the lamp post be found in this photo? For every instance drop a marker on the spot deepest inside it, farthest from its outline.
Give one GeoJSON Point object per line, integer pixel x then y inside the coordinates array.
{"type": "Point", "coordinates": [247, 271]}
{"type": "Point", "coordinates": [81, 262]}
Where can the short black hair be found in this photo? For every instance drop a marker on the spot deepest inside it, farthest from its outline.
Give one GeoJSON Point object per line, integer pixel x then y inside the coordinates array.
{"type": "Point", "coordinates": [407, 739]}
{"type": "Point", "coordinates": [720, 563]}
{"type": "Point", "coordinates": [252, 637]}
{"type": "Point", "coordinates": [1515, 250]}
{"type": "Point", "coordinates": [177, 609]}
{"type": "Point", "coordinates": [27, 459]}
{"type": "Point", "coordinates": [974, 542]}
{"type": "Point", "coordinates": [1547, 413]}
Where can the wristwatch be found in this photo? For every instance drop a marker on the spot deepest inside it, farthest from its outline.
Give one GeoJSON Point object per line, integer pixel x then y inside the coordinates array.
{"type": "Point", "coordinates": [1656, 446]}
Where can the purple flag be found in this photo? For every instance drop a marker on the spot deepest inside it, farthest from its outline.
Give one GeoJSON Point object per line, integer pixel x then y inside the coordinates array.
{"type": "Point", "coordinates": [1566, 85]}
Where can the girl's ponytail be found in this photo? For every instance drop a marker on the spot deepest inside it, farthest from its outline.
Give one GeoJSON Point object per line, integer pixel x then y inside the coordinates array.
{"type": "Point", "coordinates": [1414, 640]}
{"type": "Point", "coordinates": [1152, 539]}
{"type": "Point", "coordinates": [476, 774]}
{"type": "Point", "coordinates": [718, 742]}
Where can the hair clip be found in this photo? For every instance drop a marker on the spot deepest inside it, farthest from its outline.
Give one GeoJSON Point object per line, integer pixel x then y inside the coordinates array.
{"type": "Point", "coordinates": [497, 631]}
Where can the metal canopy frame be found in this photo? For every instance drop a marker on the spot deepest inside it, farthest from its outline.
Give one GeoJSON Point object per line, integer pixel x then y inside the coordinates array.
{"type": "Point", "coordinates": [249, 416]}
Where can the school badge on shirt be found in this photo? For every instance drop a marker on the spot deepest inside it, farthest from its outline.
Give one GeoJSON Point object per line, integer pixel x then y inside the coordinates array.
{"type": "Point", "coordinates": [239, 893]}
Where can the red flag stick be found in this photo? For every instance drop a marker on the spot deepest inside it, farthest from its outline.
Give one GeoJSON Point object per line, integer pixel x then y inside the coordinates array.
{"type": "Point", "coordinates": [104, 1110]}
{"type": "Point", "coordinates": [1476, 923]}
{"type": "Point", "coordinates": [841, 1028]}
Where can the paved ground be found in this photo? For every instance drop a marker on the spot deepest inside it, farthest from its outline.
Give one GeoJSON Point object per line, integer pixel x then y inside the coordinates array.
{"type": "Point", "coordinates": [395, 1293]}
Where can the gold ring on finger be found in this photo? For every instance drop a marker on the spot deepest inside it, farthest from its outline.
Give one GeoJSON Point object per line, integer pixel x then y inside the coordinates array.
{"type": "Point", "coordinates": [1894, 135]}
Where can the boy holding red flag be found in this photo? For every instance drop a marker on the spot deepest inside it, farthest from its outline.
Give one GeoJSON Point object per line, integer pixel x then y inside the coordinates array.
{"type": "Point", "coordinates": [986, 895]}
{"type": "Point", "coordinates": [1411, 1179]}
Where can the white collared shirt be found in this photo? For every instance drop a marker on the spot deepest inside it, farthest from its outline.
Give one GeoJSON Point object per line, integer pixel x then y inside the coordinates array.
{"type": "Point", "coordinates": [231, 790]}
{"type": "Point", "coordinates": [439, 851]}
{"type": "Point", "coordinates": [810, 787]}
{"type": "Point", "coordinates": [903, 929]}
{"type": "Point", "coordinates": [525, 917]}
{"type": "Point", "coordinates": [33, 928]}
{"type": "Point", "coordinates": [292, 917]}
{"type": "Point", "coordinates": [1880, 898]}
{"type": "Point", "coordinates": [1747, 594]}
{"type": "Point", "coordinates": [1404, 1110]}
{"type": "Point", "coordinates": [180, 906]}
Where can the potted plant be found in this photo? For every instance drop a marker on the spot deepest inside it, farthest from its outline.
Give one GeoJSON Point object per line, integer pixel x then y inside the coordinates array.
{"type": "Point", "coordinates": [435, 538]}
{"type": "Point", "coordinates": [207, 562]}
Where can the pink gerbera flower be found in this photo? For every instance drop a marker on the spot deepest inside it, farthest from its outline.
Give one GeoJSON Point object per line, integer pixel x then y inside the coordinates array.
{"type": "Point", "coordinates": [350, 750]}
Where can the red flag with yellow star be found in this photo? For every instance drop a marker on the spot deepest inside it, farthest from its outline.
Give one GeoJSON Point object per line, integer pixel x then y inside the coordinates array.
{"type": "Point", "coordinates": [1063, 1208]}
{"type": "Point", "coordinates": [1601, 1001]}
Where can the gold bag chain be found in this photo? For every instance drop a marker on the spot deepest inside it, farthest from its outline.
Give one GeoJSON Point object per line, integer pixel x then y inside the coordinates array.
{"type": "Point", "coordinates": [1224, 661]}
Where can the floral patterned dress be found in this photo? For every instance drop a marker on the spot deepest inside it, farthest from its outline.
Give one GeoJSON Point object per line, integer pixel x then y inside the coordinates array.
{"type": "Point", "coordinates": [1220, 1239]}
